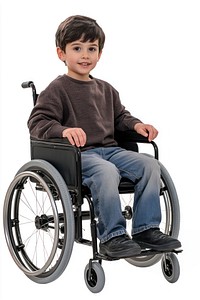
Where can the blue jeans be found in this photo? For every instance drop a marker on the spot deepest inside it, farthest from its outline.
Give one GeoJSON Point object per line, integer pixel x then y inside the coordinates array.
{"type": "Point", "coordinates": [102, 169]}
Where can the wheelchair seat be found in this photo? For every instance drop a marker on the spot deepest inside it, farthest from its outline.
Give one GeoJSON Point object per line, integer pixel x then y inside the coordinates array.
{"type": "Point", "coordinates": [66, 159]}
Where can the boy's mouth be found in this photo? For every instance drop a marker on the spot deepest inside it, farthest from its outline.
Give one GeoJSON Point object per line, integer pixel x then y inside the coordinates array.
{"type": "Point", "coordinates": [84, 64]}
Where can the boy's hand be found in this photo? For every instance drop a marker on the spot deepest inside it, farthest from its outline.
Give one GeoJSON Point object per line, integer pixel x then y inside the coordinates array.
{"type": "Point", "coordinates": [146, 130]}
{"type": "Point", "coordinates": [76, 136]}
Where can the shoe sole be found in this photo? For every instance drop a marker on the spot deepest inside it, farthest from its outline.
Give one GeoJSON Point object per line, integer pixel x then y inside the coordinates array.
{"type": "Point", "coordinates": [121, 254]}
{"type": "Point", "coordinates": [159, 247]}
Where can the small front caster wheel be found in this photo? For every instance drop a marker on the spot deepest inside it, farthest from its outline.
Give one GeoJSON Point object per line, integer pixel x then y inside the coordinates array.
{"type": "Point", "coordinates": [170, 267]}
{"type": "Point", "coordinates": [96, 280]}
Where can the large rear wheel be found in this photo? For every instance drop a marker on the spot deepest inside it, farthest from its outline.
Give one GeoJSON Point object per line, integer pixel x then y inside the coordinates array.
{"type": "Point", "coordinates": [39, 221]}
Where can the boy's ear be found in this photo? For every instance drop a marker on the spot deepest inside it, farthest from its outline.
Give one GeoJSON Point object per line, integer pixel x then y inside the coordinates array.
{"type": "Point", "coordinates": [61, 54]}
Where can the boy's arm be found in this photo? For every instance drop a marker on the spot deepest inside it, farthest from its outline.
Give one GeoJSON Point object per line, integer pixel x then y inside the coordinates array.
{"type": "Point", "coordinates": [46, 118]}
{"type": "Point", "coordinates": [44, 126]}
{"type": "Point", "coordinates": [124, 121]}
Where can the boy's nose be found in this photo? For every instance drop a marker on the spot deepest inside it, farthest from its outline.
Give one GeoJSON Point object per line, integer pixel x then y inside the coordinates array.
{"type": "Point", "coordinates": [85, 54]}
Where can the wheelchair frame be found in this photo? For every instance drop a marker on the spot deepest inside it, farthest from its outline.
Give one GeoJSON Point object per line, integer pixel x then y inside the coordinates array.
{"type": "Point", "coordinates": [54, 173]}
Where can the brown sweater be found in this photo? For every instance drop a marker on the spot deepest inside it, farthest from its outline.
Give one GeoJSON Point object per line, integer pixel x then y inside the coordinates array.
{"type": "Point", "coordinates": [91, 105]}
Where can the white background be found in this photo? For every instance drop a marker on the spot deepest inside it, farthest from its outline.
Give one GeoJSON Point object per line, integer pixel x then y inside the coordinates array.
{"type": "Point", "coordinates": [152, 56]}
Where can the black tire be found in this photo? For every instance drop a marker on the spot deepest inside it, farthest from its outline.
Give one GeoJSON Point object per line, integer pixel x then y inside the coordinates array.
{"type": "Point", "coordinates": [96, 281]}
{"type": "Point", "coordinates": [37, 207]}
{"type": "Point", "coordinates": [170, 267]}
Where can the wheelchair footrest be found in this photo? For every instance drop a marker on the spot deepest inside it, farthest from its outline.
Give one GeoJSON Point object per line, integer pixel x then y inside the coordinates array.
{"type": "Point", "coordinates": [152, 251]}
{"type": "Point", "coordinates": [144, 252]}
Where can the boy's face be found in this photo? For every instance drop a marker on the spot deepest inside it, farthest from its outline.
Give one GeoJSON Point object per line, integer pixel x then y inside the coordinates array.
{"type": "Point", "coordinates": [80, 58]}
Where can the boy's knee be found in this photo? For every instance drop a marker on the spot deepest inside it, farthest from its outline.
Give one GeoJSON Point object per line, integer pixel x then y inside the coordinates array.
{"type": "Point", "coordinates": [151, 165]}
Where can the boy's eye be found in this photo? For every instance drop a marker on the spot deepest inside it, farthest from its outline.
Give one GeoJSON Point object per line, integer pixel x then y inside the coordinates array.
{"type": "Point", "coordinates": [92, 49]}
{"type": "Point", "coordinates": [77, 48]}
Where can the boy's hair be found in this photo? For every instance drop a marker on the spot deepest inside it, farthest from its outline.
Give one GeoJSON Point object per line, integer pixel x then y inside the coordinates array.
{"type": "Point", "coordinates": [79, 28]}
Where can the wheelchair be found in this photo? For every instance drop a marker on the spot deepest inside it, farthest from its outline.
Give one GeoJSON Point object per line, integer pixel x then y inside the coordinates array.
{"type": "Point", "coordinates": [44, 212]}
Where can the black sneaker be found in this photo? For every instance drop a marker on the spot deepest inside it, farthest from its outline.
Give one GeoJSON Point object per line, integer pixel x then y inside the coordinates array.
{"type": "Point", "coordinates": [120, 247]}
{"type": "Point", "coordinates": [156, 240]}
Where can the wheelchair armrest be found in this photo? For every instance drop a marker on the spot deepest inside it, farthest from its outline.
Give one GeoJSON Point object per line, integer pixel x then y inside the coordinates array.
{"type": "Point", "coordinates": [54, 140]}
{"type": "Point", "coordinates": [130, 136]}
{"type": "Point", "coordinates": [129, 140]}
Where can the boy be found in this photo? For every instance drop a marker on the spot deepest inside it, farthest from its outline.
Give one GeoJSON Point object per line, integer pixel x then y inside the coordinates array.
{"type": "Point", "coordinates": [86, 111]}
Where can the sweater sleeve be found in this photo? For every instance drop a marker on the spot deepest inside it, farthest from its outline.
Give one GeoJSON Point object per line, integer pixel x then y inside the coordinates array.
{"type": "Point", "coordinates": [45, 120]}
{"type": "Point", "coordinates": [123, 118]}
